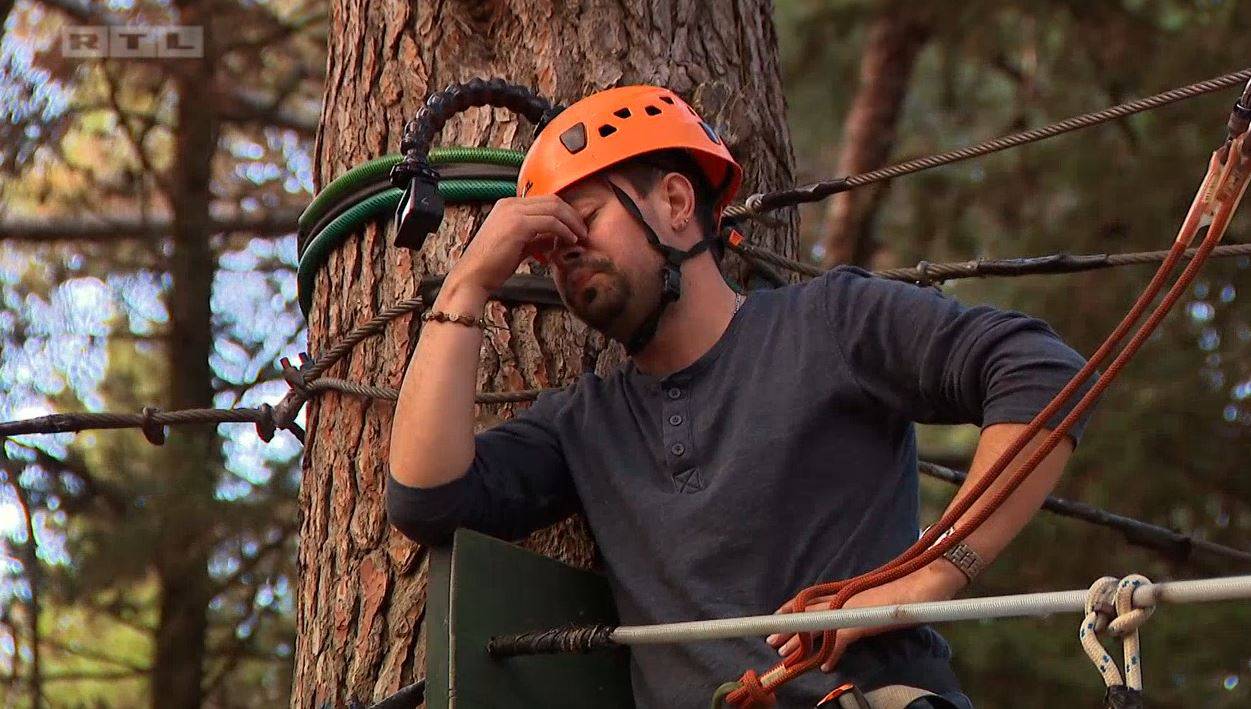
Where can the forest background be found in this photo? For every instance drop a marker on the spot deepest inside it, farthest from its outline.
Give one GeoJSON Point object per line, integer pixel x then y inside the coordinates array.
{"type": "Point", "coordinates": [122, 563]}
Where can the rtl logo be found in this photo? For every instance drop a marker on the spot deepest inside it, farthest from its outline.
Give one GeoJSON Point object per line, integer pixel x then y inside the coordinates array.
{"type": "Point", "coordinates": [168, 42]}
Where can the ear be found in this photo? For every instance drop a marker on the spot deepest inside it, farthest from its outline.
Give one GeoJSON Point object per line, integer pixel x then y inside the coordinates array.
{"type": "Point", "coordinates": [679, 200]}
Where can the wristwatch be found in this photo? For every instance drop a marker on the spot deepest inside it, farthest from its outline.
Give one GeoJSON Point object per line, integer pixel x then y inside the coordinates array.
{"type": "Point", "coordinates": [963, 557]}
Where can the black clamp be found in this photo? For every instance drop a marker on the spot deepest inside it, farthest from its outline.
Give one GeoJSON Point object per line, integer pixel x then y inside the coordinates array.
{"type": "Point", "coordinates": [420, 211]}
{"type": "Point", "coordinates": [924, 278]}
{"type": "Point", "coordinates": [294, 376]}
{"type": "Point", "coordinates": [153, 431]}
{"type": "Point", "coordinates": [265, 425]}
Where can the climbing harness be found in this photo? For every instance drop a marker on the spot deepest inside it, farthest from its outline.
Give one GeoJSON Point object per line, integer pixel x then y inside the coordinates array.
{"type": "Point", "coordinates": [1110, 607]}
{"type": "Point", "coordinates": [1218, 196]}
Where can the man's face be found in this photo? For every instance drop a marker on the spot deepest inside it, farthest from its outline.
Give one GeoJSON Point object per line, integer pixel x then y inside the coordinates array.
{"type": "Point", "coordinates": [611, 281]}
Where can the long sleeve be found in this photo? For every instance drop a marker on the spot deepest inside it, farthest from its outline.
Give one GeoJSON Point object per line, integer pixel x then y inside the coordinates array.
{"type": "Point", "coordinates": [518, 482]}
{"type": "Point", "coordinates": [930, 359]}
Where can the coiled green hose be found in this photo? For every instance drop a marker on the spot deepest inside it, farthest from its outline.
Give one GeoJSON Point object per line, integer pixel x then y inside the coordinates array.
{"type": "Point", "coordinates": [323, 243]}
{"type": "Point", "coordinates": [378, 170]}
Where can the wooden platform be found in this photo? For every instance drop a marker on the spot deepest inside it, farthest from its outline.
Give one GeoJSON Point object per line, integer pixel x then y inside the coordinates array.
{"type": "Point", "coordinates": [481, 587]}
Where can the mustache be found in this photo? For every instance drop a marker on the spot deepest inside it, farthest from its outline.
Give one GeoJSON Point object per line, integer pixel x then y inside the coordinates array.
{"type": "Point", "coordinates": [589, 267]}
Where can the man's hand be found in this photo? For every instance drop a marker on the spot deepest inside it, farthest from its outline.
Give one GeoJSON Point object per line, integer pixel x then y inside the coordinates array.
{"type": "Point", "coordinates": [515, 226]}
{"type": "Point", "coordinates": [937, 582]}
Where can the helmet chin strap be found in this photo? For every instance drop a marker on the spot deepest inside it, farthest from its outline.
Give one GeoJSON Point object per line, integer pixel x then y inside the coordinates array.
{"type": "Point", "coordinates": [670, 273]}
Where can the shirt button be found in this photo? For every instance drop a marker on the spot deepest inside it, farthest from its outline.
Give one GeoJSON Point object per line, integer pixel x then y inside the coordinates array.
{"type": "Point", "coordinates": [675, 393]}
{"type": "Point", "coordinates": [677, 449]}
{"type": "Point", "coordinates": [676, 419]}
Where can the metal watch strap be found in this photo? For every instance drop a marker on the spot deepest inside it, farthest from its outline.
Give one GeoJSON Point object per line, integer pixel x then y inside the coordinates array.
{"type": "Point", "coordinates": [961, 556]}
{"type": "Point", "coordinates": [965, 559]}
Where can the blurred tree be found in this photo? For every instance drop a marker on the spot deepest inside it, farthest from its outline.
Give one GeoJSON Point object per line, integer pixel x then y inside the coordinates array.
{"type": "Point", "coordinates": [896, 35]}
{"type": "Point", "coordinates": [189, 548]}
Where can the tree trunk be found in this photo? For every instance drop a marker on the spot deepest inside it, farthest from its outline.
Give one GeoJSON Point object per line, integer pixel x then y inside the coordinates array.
{"type": "Point", "coordinates": [362, 590]}
{"type": "Point", "coordinates": [894, 40]}
{"type": "Point", "coordinates": [193, 454]}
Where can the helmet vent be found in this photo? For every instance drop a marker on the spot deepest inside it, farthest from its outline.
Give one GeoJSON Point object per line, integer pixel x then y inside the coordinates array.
{"type": "Point", "coordinates": [622, 113]}
{"type": "Point", "coordinates": [574, 139]}
{"type": "Point", "coordinates": [651, 110]}
{"type": "Point", "coordinates": [667, 99]}
{"type": "Point", "coordinates": [606, 130]}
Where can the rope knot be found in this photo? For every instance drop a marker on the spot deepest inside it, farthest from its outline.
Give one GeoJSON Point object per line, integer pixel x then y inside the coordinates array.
{"type": "Point", "coordinates": [754, 693]}
{"type": "Point", "coordinates": [1110, 606]}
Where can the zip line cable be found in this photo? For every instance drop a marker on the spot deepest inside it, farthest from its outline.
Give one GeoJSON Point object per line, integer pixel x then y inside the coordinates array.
{"type": "Point", "coordinates": [764, 202]}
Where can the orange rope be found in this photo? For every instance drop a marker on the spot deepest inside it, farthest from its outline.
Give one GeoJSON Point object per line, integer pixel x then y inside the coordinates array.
{"type": "Point", "coordinates": [1218, 196]}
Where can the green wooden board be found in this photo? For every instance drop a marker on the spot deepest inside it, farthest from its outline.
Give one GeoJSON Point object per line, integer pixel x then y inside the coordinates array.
{"type": "Point", "coordinates": [481, 587]}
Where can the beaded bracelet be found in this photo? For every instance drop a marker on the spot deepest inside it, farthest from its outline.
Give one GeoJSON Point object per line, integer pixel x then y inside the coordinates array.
{"type": "Point", "coordinates": [467, 320]}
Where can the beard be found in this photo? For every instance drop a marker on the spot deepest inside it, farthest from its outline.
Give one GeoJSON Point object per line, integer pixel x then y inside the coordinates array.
{"type": "Point", "coordinates": [602, 299]}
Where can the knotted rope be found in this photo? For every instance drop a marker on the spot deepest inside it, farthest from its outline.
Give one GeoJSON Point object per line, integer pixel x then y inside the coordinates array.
{"type": "Point", "coordinates": [1110, 608]}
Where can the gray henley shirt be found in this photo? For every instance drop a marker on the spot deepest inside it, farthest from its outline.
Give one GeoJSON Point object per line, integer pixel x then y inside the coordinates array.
{"type": "Point", "coordinates": [783, 457]}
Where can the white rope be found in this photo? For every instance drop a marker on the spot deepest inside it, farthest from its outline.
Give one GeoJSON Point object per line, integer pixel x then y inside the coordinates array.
{"type": "Point", "coordinates": [1129, 618]}
{"type": "Point", "coordinates": [1030, 604]}
{"type": "Point", "coordinates": [1100, 610]}
{"type": "Point", "coordinates": [1110, 606]}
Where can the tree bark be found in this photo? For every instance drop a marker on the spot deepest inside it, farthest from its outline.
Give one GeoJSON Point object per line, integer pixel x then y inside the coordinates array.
{"type": "Point", "coordinates": [362, 590]}
{"type": "Point", "coordinates": [895, 38]}
{"type": "Point", "coordinates": [193, 456]}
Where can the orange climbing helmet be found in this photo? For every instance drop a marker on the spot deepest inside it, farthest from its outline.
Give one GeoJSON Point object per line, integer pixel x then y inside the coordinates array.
{"type": "Point", "coordinates": [610, 126]}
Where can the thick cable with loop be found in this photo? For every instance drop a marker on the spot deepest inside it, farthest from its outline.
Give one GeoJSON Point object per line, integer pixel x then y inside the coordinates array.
{"type": "Point", "coordinates": [764, 202]}
{"type": "Point", "coordinates": [1217, 198]}
{"type": "Point", "coordinates": [1019, 605]}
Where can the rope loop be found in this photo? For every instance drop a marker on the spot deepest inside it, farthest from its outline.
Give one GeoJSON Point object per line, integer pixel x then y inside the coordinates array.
{"type": "Point", "coordinates": [1129, 618]}
{"type": "Point", "coordinates": [153, 431]}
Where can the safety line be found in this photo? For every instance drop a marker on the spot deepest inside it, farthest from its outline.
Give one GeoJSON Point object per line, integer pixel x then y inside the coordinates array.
{"type": "Point", "coordinates": [988, 607]}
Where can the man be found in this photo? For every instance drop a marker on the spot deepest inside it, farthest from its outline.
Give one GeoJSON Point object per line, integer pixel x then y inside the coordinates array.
{"type": "Point", "coordinates": [750, 447]}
